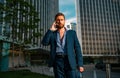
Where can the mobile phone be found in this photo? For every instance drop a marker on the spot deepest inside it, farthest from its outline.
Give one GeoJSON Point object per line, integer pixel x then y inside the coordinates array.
{"type": "Point", "coordinates": [56, 25]}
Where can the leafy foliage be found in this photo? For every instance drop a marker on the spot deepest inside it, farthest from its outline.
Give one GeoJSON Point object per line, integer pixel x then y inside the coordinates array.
{"type": "Point", "coordinates": [22, 18]}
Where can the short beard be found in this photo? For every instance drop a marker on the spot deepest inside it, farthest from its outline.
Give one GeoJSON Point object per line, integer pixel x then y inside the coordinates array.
{"type": "Point", "coordinates": [60, 27]}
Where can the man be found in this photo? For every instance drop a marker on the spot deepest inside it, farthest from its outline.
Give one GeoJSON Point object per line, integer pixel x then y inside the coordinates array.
{"type": "Point", "coordinates": [65, 54]}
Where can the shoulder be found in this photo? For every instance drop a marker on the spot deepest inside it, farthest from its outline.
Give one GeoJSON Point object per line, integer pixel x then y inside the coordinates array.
{"type": "Point", "coordinates": [71, 31]}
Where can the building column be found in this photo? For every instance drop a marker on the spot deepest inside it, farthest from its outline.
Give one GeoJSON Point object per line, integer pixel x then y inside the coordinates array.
{"type": "Point", "coordinates": [4, 55]}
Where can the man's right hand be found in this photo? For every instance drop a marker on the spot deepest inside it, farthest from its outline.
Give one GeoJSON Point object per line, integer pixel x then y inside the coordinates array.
{"type": "Point", "coordinates": [53, 27]}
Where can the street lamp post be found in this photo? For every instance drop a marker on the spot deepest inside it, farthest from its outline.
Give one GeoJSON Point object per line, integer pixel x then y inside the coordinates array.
{"type": "Point", "coordinates": [108, 70]}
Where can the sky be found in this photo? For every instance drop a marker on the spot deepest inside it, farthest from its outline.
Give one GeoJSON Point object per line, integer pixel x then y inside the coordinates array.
{"type": "Point", "coordinates": [67, 7]}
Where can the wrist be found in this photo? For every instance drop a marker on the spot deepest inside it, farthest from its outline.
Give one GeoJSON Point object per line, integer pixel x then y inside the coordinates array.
{"type": "Point", "coordinates": [52, 29]}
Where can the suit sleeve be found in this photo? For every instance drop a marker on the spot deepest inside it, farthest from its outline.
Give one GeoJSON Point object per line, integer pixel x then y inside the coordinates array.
{"type": "Point", "coordinates": [47, 38]}
{"type": "Point", "coordinates": [79, 57]}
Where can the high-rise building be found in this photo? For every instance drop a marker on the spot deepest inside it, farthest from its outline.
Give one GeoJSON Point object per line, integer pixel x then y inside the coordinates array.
{"type": "Point", "coordinates": [71, 26]}
{"type": "Point", "coordinates": [98, 27]}
{"type": "Point", "coordinates": [46, 9]}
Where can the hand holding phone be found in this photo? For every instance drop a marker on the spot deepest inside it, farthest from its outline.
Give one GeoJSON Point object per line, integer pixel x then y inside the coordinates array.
{"type": "Point", "coordinates": [56, 25]}
{"type": "Point", "coordinates": [53, 27]}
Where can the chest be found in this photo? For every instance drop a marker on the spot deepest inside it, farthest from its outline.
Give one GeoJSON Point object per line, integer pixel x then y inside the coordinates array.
{"type": "Point", "coordinates": [61, 35]}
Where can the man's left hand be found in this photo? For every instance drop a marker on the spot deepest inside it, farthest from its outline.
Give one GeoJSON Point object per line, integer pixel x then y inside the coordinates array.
{"type": "Point", "coordinates": [81, 69]}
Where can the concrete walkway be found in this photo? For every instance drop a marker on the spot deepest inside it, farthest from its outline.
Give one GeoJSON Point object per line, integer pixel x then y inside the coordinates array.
{"type": "Point", "coordinates": [49, 71]}
{"type": "Point", "coordinates": [90, 71]}
{"type": "Point", "coordinates": [42, 70]}
{"type": "Point", "coordinates": [46, 70]}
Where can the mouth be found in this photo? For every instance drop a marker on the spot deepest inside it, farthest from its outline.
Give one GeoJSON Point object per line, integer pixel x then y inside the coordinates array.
{"type": "Point", "coordinates": [60, 26]}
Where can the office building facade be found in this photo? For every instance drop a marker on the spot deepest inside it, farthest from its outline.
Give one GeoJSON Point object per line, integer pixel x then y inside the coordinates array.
{"type": "Point", "coordinates": [98, 27]}
{"type": "Point", "coordinates": [46, 9]}
{"type": "Point", "coordinates": [71, 26]}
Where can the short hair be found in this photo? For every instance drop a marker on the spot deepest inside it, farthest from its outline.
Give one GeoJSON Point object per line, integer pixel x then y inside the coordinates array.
{"type": "Point", "coordinates": [59, 14]}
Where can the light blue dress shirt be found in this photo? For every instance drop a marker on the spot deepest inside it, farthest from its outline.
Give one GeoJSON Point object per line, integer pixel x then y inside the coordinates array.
{"type": "Point", "coordinates": [61, 44]}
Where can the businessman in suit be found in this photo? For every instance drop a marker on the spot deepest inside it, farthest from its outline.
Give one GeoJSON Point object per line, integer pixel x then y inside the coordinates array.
{"type": "Point", "coordinates": [65, 51]}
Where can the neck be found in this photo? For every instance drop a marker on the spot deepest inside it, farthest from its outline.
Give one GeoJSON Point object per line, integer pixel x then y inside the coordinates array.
{"type": "Point", "coordinates": [61, 29]}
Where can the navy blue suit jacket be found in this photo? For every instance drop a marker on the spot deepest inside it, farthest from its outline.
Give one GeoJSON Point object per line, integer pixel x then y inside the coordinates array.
{"type": "Point", "coordinates": [72, 47]}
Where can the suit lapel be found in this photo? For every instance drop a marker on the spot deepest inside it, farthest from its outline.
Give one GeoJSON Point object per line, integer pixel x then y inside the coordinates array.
{"type": "Point", "coordinates": [55, 36]}
{"type": "Point", "coordinates": [66, 40]}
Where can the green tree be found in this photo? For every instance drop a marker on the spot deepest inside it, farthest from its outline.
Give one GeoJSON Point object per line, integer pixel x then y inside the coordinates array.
{"type": "Point", "coordinates": [23, 20]}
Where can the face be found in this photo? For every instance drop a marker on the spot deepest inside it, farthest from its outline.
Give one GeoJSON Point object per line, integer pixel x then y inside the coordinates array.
{"type": "Point", "coordinates": [60, 22]}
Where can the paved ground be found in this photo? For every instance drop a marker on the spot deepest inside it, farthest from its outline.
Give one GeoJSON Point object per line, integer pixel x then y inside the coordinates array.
{"type": "Point", "coordinates": [90, 71]}
{"type": "Point", "coordinates": [42, 69]}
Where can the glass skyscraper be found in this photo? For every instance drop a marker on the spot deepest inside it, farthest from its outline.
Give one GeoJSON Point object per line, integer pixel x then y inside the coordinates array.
{"type": "Point", "coordinates": [98, 27]}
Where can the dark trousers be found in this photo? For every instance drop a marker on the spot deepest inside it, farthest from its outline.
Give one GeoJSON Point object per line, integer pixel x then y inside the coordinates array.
{"type": "Point", "coordinates": [62, 69]}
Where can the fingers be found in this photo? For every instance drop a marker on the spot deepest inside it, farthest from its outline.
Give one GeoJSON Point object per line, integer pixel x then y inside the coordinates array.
{"type": "Point", "coordinates": [81, 69]}
{"type": "Point", "coordinates": [53, 27]}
